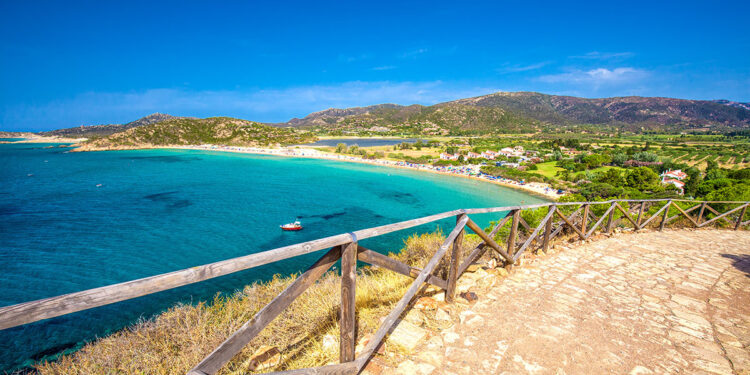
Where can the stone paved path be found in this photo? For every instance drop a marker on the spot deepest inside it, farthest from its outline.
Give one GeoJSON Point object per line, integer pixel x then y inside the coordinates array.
{"type": "Point", "coordinates": [670, 302]}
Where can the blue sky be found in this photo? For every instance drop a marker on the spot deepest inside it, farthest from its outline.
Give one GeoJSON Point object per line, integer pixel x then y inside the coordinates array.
{"type": "Point", "coordinates": [72, 63]}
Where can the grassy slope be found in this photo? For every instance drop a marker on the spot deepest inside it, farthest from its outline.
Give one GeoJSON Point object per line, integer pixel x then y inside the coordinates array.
{"type": "Point", "coordinates": [213, 130]}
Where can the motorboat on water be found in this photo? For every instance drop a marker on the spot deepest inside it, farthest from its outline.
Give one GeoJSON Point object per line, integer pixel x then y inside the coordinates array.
{"type": "Point", "coordinates": [295, 226]}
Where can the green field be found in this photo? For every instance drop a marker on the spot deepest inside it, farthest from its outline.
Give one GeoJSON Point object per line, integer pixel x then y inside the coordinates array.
{"type": "Point", "coordinates": [547, 169]}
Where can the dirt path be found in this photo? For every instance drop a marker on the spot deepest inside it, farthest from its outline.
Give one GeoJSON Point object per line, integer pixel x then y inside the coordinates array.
{"type": "Point", "coordinates": [670, 302]}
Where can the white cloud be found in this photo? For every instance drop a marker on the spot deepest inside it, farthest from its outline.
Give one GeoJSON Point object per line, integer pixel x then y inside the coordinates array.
{"type": "Point", "coordinates": [596, 55]}
{"type": "Point", "coordinates": [413, 54]}
{"type": "Point", "coordinates": [507, 68]}
{"type": "Point", "coordinates": [597, 77]}
{"type": "Point", "coordinates": [384, 67]}
{"type": "Point", "coordinates": [270, 105]}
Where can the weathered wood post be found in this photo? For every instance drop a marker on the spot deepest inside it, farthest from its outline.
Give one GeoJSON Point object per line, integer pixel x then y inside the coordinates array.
{"type": "Point", "coordinates": [640, 215]}
{"type": "Point", "coordinates": [666, 215]}
{"type": "Point", "coordinates": [450, 293]}
{"type": "Point", "coordinates": [585, 218]}
{"type": "Point", "coordinates": [700, 213]}
{"type": "Point", "coordinates": [548, 228]}
{"type": "Point", "coordinates": [739, 219]}
{"type": "Point", "coordinates": [513, 232]}
{"type": "Point", "coordinates": [348, 296]}
{"type": "Point", "coordinates": [611, 217]}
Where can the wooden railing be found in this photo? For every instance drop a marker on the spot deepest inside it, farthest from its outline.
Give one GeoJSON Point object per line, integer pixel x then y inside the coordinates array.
{"type": "Point", "coordinates": [576, 218]}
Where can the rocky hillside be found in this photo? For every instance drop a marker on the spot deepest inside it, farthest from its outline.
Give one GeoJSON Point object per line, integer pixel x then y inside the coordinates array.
{"type": "Point", "coordinates": [529, 112]}
{"type": "Point", "coordinates": [191, 131]}
{"type": "Point", "coordinates": [105, 130]}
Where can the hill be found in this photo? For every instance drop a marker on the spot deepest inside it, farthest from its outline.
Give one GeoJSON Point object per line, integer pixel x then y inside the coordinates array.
{"type": "Point", "coordinates": [514, 112]}
{"type": "Point", "coordinates": [192, 131]}
{"type": "Point", "coordinates": [105, 130]}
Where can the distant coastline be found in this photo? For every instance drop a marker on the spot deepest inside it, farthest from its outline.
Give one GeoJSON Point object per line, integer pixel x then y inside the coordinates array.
{"type": "Point", "coordinates": [538, 189]}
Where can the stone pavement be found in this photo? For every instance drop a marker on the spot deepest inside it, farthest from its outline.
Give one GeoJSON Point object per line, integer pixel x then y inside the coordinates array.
{"type": "Point", "coordinates": [676, 301]}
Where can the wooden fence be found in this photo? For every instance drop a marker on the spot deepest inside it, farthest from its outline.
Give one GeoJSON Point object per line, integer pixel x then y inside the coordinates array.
{"type": "Point", "coordinates": [576, 218]}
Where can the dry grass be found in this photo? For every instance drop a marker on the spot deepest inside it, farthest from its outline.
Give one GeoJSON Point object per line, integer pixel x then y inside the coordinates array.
{"type": "Point", "coordinates": [176, 340]}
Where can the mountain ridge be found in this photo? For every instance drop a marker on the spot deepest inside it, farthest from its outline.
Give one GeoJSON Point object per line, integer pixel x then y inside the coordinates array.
{"type": "Point", "coordinates": [505, 112]}
{"type": "Point", "coordinates": [90, 131]}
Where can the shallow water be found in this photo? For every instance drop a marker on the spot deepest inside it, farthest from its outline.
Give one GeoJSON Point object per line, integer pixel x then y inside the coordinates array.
{"type": "Point", "coordinates": [73, 221]}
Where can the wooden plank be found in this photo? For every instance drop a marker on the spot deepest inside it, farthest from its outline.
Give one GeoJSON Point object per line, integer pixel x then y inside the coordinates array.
{"type": "Point", "coordinates": [717, 213]}
{"type": "Point", "coordinates": [548, 230]}
{"type": "Point", "coordinates": [523, 223]}
{"type": "Point", "coordinates": [570, 224]}
{"type": "Point", "coordinates": [610, 218]}
{"type": "Point", "coordinates": [489, 241]}
{"type": "Point", "coordinates": [700, 213]}
{"type": "Point", "coordinates": [28, 312]}
{"type": "Point", "coordinates": [626, 214]}
{"type": "Point", "coordinates": [450, 291]}
{"type": "Point", "coordinates": [373, 257]}
{"type": "Point", "coordinates": [584, 218]}
{"type": "Point", "coordinates": [599, 222]}
{"type": "Point", "coordinates": [654, 216]}
{"type": "Point", "coordinates": [221, 355]}
{"type": "Point", "coordinates": [349, 368]}
{"type": "Point", "coordinates": [640, 215]}
{"type": "Point", "coordinates": [686, 214]}
{"type": "Point", "coordinates": [739, 219]}
{"type": "Point", "coordinates": [666, 214]}
{"type": "Point", "coordinates": [723, 215]}
{"type": "Point", "coordinates": [481, 248]}
{"type": "Point", "coordinates": [560, 224]}
{"type": "Point", "coordinates": [347, 321]}
{"type": "Point", "coordinates": [533, 235]}
{"type": "Point", "coordinates": [401, 305]}
{"type": "Point", "coordinates": [680, 214]}
{"type": "Point", "coordinates": [513, 232]}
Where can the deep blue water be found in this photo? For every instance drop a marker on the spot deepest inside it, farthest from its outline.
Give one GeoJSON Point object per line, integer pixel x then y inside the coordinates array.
{"type": "Point", "coordinates": [364, 142]}
{"type": "Point", "coordinates": [73, 221]}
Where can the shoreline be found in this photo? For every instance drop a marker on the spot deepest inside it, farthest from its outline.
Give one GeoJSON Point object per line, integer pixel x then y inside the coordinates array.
{"type": "Point", "coordinates": [41, 139]}
{"type": "Point", "coordinates": [538, 189]}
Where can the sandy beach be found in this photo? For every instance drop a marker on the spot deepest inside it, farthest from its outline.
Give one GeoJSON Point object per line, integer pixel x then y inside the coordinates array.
{"type": "Point", "coordinates": [472, 172]}
{"type": "Point", "coordinates": [41, 139]}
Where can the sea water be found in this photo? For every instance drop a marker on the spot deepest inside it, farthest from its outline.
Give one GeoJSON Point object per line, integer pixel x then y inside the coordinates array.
{"type": "Point", "coordinates": [71, 221]}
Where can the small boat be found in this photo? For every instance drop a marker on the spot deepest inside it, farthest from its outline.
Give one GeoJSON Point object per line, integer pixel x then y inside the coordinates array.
{"type": "Point", "coordinates": [295, 226]}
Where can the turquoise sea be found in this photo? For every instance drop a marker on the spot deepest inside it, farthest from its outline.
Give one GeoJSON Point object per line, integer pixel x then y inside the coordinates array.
{"type": "Point", "coordinates": [74, 221]}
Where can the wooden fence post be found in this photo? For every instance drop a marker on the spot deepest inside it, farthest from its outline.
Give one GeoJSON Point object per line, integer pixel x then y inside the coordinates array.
{"type": "Point", "coordinates": [450, 293]}
{"type": "Point", "coordinates": [548, 229]}
{"type": "Point", "coordinates": [610, 218]}
{"type": "Point", "coordinates": [700, 213]}
{"type": "Point", "coordinates": [513, 232]}
{"type": "Point", "coordinates": [666, 215]}
{"type": "Point", "coordinates": [739, 219]}
{"type": "Point", "coordinates": [348, 296]}
{"type": "Point", "coordinates": [640, 215]}
{"type": "Point", "coordinates": [585, 218]}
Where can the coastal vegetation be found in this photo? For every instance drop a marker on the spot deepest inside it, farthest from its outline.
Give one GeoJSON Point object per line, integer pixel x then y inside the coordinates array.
{"type": "Point", "coordinates": [189, 131]}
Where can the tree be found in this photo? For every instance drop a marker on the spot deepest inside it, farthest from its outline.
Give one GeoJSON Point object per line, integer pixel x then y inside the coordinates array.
{"type": "Point", "coordinates": [645, 156]}
{"type": "Point", "coordinates": [619, 159]}
{"type": "Point", "coordinates": [611, 176]}
{"type": "Point", "coordinates": [693, 180]}
{"type": "Point", "coordinates": [341, 148]}
{"type": "Point", "coordinates": [642, 178]}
